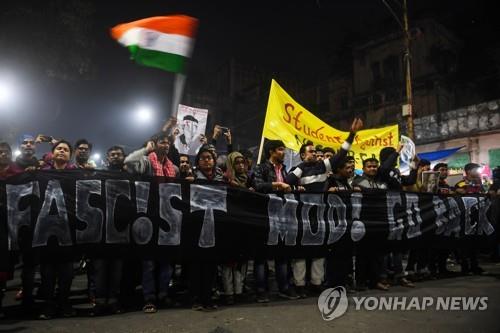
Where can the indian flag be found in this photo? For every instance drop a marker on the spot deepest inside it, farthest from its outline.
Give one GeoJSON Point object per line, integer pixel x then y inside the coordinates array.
{"type": "Point", "coordinates": [163, 42]}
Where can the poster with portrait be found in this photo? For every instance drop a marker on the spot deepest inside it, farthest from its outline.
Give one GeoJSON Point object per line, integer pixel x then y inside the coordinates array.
{"type": "Point", "coordinates": [430, 181]}
{"type": "Point", "coordinates": [191, 124]}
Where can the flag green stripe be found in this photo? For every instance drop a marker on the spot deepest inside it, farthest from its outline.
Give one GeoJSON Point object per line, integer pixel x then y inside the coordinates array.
{"type": "Point", "coordinates": [166, 61]}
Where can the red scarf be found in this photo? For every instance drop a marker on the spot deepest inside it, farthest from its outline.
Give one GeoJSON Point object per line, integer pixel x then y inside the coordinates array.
{"type": "Point", "coordinates": [165, 170]}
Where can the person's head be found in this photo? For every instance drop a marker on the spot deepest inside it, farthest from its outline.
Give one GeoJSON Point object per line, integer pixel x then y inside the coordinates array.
{"type": "Point", "coordinates": [443, 170]}
{"type": "Point", "coordinates": [275, 150]}
{"type": "Point", "coordinates": [472, 171]}
{"type": "Point", "coordinates": [115, 157]}
{"type": "Point", "coordinates": [308, 152]}
{"type": "Point", "coordinates": [352, 163]}
{"type": "Point", "coordinates": [385, 153]}
{"type": "Point", "coordinates": [370, 167]}
{"type": "Point", "coordinates": [162, 143]}
{"type": "Point", "coordinates": [82, 151]}
{"type": "Point", "coordinates": [210, 147]}
{"type": "Point", "coordinates": [205, 160]}
{"type": "Point", "coordinates": [319, 153]}
{"type": "Point", "coordinates": [236, 163]}
{"type": "Point", "coordinates": [27, 146]}
{"type": "Point", "coordinates": [185, 165]}
{"type": "Point", "coordinates": [189, 128]}
{"type": "Point", "coordinates": [424, 165]}
{"type": "Point", "coordinates": [328, 152]}
{"type": "Point", "coordinates": [61, 152]}
{"type": "Point", "coordinates": [344, 169]}
{"type": "Point", "coordinates": [5, 154]}
{"type": "Point", "coordinates": [247, 154]}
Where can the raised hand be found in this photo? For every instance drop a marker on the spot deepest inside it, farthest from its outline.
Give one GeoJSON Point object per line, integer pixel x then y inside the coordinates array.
{"type": "Point", "coordinates": [357, 124]}
{"type": "Point", "coordinates": [217, 131]}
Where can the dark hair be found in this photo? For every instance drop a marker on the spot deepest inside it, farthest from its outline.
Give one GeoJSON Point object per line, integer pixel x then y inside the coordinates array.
{"type": "Point", "coordinates": [302, 149]}
{"type": "Point", "coordinates": [184, 155]}
{"type": "Point", "coordinates": [341, 164]}
{"type": "Point", "coordinates": [319, 148]}
{"type": "Point", "coordinates": [385, 153]}
{"type": "Point", "coordinates": [159, 136]}
{"type": "Point", "coordinates": [6, 145]}
{"type": "Point", "coordinates": [65, 142]}
{"type": "Point", "coordinates": [371, 159]}
{"type": "Point", "coordinates": [328, 150]}
{"type": "Point", "coordinates": [82, 142]}
{"type": "Point", "coordinates": [424, 162]}
{"type": "Point", "coordinates": [440, 165]}
{"type": "Point", "coordinates": [470, 166]}
{"type": "Point", "coordinates": [203, 150]}
{"type": "Point", "coordinates": [246, 153]}
{"type": "Point", "coordinates": [272, 145]}
{"type": "Point", "coordinates": [115, 148]}
{"type": "Point", "coordinates": [350, 158]}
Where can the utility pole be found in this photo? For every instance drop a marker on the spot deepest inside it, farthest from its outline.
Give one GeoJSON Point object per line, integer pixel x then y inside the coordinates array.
{"type": "Point", "coordinates": [407, 109]}
{"type": "Point", "coordinates": [409, 92]}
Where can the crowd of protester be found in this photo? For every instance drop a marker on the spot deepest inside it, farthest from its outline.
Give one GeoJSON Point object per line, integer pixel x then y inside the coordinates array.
{"type": "Point", "coordinates": [112, 280]}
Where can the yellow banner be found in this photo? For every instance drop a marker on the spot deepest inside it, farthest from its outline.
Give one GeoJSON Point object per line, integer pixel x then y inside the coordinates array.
{"type": "Point", "coordinates": [290, 122]}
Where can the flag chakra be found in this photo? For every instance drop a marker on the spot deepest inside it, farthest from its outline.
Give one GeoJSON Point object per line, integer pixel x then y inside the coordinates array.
{"type": "Point", "coordinates": [163, 42]}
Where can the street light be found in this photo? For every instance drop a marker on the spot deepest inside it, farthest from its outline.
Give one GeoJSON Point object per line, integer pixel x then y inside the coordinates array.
{"type": "Point", "coordinates": [144, 114]}
{"type": "Point", "coordinates": [7, 93]}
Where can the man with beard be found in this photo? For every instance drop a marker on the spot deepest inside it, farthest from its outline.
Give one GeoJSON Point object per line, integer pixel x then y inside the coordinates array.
{"type": "Point", "coordinates": [152, 160]}
{"type": "Point", "coordinates": [186, 172]}
{"type": "Point", "coordinates": [270, 176]}
{"type": "Point", "coordinates": [27, 161]}
{"type": "Point", "coordinates": [312, 175]}
{"type": "Point", "coordinates": [108, 269]}
{"type": "Point", "coordinates": [82, 155]}
{"type": "Point", "coordinates": [443, 186]}
{"type": "Point", "coordinates": [115, 156]}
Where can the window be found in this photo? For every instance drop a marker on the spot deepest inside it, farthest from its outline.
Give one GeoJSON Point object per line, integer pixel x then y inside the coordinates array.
{"type": "Point", "coordinates": [494, 157]}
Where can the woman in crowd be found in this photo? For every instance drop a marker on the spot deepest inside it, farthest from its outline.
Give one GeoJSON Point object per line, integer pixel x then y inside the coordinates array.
{"type": "Point", "coordinates": [233, 273]}
{"type": "Point", "coordinates": [202, 271]}
{"type": "Point", "coordinates": [56, 265]}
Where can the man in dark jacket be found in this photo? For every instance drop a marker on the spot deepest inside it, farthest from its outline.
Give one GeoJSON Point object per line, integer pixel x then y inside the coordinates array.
{"type": "Point", "coordinates": [270, 176]}
{"type": "Point", "coordinates": [389, 174]}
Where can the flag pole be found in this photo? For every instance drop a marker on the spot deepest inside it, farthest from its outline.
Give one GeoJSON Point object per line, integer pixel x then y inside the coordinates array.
{"type": "Point", "coordinates": [260, 149]}
{"type": "Point", "coordinates": [179, 82]}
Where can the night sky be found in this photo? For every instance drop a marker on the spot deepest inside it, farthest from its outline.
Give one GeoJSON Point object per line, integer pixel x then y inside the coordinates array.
{"type": "Point", "coordinates": [299, 37]}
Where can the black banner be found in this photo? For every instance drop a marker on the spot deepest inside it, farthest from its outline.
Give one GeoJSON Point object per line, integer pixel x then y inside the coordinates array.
{"type": "Point", "coordinates": [101, 212]}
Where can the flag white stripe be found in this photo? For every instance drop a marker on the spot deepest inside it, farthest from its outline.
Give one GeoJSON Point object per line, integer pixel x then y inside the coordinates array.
{"type": "Point", "coordinates": [313, 179]}
{"type": "Point", "coordinates": [153, 40]}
